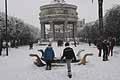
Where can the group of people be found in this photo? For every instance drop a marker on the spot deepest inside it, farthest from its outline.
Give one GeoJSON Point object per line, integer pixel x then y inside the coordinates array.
{"type": "Point", "coordinates": [68, 54]}
{"type": "Point", "coordinates": [107, 46]}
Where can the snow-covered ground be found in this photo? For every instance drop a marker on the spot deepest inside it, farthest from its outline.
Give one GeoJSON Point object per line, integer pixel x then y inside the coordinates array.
{"type": "Point", "coordinates": [19, 65]}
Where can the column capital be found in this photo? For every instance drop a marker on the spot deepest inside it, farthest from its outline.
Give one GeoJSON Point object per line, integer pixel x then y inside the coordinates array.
{"type": "Point", "coordinates": [42, 23]}
{"type": "Point", "coordinates": [50, 22]}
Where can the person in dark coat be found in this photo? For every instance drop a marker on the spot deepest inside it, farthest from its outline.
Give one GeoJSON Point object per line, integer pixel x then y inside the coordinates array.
{"type": "Point", "coordinates": [75, 44]}
{"type": "Point", "coordinates": [49, 56]}
{"type": "Point", "coordinates": [31, 44]}
{"type": "Point", "coordinates": [1, 46]}
{"type": "Point", "coordinates": [89, 42]}
{"type": "Point", "coordinates": [99, 47]}
{"type": "Point", "coordinates": [111, 46]}
{"type": "Point", "coordinates": [105, 50]}
{"type": "Point", "coordinates": [69, 55]}
{"type": "Point", "coordinates": [60, 43]}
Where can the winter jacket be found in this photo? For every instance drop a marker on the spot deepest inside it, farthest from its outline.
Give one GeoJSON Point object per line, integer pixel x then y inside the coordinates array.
{"type": "Point", "coordinates": [49, 54]}
{"type": "Point", "coordinates": [105, 45]}
{"type": "Point", "coordinates": [68, 53]}
{"type": "Point", "coordinates": [99, 44]}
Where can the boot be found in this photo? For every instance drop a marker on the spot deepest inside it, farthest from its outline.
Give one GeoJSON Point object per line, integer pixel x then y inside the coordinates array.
{"type": "Point", "coordinates": [69, 74]}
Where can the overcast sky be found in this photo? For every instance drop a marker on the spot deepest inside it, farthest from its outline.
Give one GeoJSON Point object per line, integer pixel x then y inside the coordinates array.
{"type": "Point", "coordinates": [28, 10]}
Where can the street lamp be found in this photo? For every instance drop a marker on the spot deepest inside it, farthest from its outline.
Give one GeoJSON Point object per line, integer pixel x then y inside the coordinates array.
{"type": "Point", "coordinates": [100, 13]}
{"type": "Point", "coordinates": [6, 27]}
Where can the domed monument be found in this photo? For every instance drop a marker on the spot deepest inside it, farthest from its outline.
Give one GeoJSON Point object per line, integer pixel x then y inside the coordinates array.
{"type": "Point", "coordinates": [62, 19]}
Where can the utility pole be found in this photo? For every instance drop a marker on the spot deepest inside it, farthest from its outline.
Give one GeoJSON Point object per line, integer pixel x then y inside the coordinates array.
{"type": "Point", "coordinates": [6, 28]}
{"type": "Point", "coordinates": [100, 13]}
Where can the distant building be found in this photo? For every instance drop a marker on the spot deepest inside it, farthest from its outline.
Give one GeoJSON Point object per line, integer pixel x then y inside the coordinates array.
{"type": "Point", "coordinates": [80, 24]}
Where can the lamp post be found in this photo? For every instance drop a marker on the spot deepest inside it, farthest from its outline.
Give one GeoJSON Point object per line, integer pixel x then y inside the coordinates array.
{"type": "Point", "coordinates": [100, 13]}
{"type": "Point", "coordinates": [6, 27]}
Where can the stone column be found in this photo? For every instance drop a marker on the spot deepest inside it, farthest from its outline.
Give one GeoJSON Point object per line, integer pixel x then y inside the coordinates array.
{"type": "Point", "coordinates": [52, 29]}
{"type": "Point", "coordinates": [43, 34]}
{"type": "Point", "coordinates": [74, 30]}
{"type": "Point", "coordinates": [64, 29]}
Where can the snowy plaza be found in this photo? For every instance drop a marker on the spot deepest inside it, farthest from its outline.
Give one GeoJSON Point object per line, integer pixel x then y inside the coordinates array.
{"type": "Point", "coordinates": [59, 40]}
{"type": "Point", "coordinates": [19, 65]}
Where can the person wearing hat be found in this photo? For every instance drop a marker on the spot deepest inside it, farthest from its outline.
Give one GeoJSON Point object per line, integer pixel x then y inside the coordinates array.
{"type": "Point", "coordinates": [69, 55]}
{"type": "Point", "coordinates": [49, 56]}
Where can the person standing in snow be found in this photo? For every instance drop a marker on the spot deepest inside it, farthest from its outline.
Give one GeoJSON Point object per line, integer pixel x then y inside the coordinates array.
{"type": "Point", "coordinates": [111, 46]}
{"type": "Point", "coordinates": [69, 55]}
{"type": "Point", "coordinates": [75, 44]}
{"type": "Point", "coordinates": [49, 56]}
{"type": "Point", "coordinates": [31, 44]}
{"type": "Point", "coordinates": [1, 46]}
{"type": "Point", "coordinates": [99, 47]}
{"type": "Point", "coordinates": [1, 43]}
{"type": "Point", "coordinates": [105, 45]}
{"type": "Point", "coordinates": [89, 42]}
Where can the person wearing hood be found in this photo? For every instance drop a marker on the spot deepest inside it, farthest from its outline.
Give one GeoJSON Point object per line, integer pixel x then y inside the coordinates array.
{"type": "Point", "coordinates": [49, 56]}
